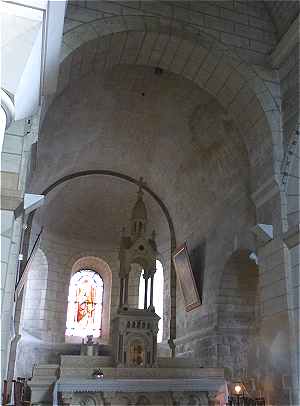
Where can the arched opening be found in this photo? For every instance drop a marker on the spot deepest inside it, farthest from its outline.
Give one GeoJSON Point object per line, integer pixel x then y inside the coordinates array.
{"type": "Point", "coordinates": [89, 300]}
{"type": "Point", "coordinates": [85, 304]}
{"type": "Point", "coordinates": [34, 306]}
{"type": "Point", "coordinates": [238, 309]}
{"type": "Point", "coordinates": [33, 324]}
{"type": "Point", "coordinates": [85, 177]}
{"type": "Point", "coordinates": [158, 299]}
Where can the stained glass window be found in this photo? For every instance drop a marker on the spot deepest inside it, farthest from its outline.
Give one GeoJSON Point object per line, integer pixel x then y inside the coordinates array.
{"type": "Point", "coordinates": [85, 304]}
{"type": "Point", "coordinates": [158, 297]}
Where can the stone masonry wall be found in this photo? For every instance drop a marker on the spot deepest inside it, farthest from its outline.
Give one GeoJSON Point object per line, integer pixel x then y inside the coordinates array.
{"type": "Point", "coordinates": [274, 323]}
{"type": "Point", "coordinates": [14, 160]}
{"type": "Point", "coordinates": [44, 310]}
{"type": "Point", "coordinates": [244, 26]}
{"type": "Point", "coordinates": [202, 332]}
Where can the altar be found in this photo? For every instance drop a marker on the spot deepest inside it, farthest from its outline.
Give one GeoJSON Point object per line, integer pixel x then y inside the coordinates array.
{"type": "Point", "coordinates": [133, 374]}
{"type": "Point", "coordinates": [173, 382]}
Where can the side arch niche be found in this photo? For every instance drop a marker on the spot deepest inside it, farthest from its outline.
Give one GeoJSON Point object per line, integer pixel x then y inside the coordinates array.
{"type": "Point", "coordinates": [34, 305]}
{"type": "Point", "coordinates": [33, 323]}
{"type": "Point", "coordinates": [238, 314]}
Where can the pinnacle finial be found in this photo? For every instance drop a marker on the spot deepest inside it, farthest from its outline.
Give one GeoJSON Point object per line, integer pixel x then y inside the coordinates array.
{"type": "Point", "coordinates": [141, 185]}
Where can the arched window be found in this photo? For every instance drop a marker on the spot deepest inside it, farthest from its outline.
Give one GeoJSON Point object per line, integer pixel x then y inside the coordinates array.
{"type": "Point", "coordinates": [158, 297]}
{"type": "Point", "coordinates": [85, 302]}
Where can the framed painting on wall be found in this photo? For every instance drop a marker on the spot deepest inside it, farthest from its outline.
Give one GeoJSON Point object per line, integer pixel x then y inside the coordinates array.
{"type": "Point", "coordinates": [186, 278]}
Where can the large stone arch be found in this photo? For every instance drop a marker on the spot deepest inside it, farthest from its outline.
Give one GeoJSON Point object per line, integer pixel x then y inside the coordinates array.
{"type": "Point", "coordinates": [81, 256]}
{"type": "Point", "coordinates": [200, 58]}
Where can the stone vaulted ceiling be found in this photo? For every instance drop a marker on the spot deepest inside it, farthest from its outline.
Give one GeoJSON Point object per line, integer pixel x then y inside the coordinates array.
{"type": "Point", "coordinates": [283, 13]}
{"type": "Point", "coordinates": [173, 135]}
{"type": "Point", "coordinates": [132, 121]}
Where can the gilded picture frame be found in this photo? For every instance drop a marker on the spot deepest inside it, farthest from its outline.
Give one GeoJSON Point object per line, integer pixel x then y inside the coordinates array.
{"type": "Point", "coordinates": [186, 278]}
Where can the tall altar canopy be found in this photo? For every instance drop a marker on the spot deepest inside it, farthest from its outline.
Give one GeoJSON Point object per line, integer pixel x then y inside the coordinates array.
{"type": "Point", "coordinates": [138, 248]}
{"type": "Point", "coordinates": [135, 330]}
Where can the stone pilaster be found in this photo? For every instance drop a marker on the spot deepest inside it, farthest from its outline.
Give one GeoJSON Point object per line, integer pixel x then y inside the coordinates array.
{"type": "Point", "coordinates": [274, 320]}
{"type": "Point", "coordinates": [15, 155]}
{"type": "Point", "coordinates": [292, 240]}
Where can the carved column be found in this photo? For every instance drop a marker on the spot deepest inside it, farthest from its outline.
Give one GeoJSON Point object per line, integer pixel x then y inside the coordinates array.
{"type": "Point", "coordinates": [146, 293]}
{"type": "Point", "coordinates": [121, 292]}
{"type": "Point", "coordinates": [292, 240]}
{"type": "Point", "coordinates": [273, 263]}
{"type": "Point", "coordinates": [126, 290]}
{"type": "Point", "coordinates": [151, 291]}
{"type": "Point", "coordinates": [67, 398]}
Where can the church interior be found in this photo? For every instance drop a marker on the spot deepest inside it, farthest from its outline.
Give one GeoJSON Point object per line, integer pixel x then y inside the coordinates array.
{"type": "Point", "coordinates": [150, 203]}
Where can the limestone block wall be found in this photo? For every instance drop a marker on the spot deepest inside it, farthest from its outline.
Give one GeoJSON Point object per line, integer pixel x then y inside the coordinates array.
{"type": "Point", "coordinates": [238, 314]}
{"type": "Point", "coordinates": [275, 357]}
{"type": "Point", "coordinates": [220, 330]}
{"type": "Point", "coordinates": [246, 27]}
{"type": "Point", "coordinates": [14, 160]}
{"type": "Point", "coordinates": [247, 93]}
{"type": "Point", "coordinates": [34, 302]}
{"type": "Point", "coordinates": [294, 322]}
{"type": "Point", "coordinates": [44, 310]}
{"type": "Point", "coordinates": [10, 240]}
{"type": "Point", "coordinates": [289, 84]}
{"type": "Point", "coordinates": [290, 183]}
{"type": "Point", "coordinates": [61, 256]}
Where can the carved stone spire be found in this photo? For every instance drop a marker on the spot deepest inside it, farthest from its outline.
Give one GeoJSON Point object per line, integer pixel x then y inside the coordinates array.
{"type": "Point", "coordinates": [139, 215]}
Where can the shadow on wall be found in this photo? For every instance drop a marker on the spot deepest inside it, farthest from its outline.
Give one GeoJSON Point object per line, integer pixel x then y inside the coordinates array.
{"type": "Point", "coordinates": [238, 304]}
